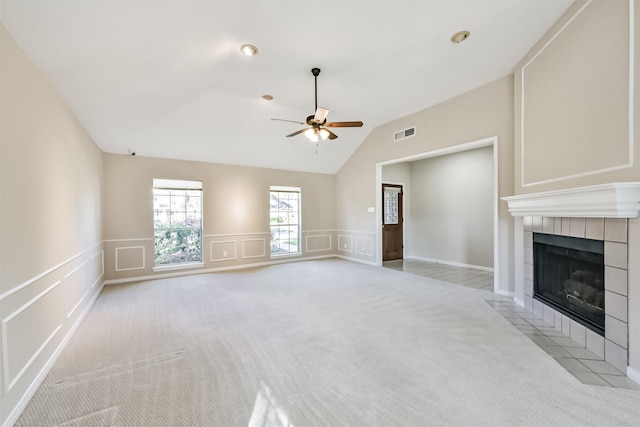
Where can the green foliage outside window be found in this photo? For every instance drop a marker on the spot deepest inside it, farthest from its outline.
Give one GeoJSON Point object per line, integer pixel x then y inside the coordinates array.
{"type": "Point", "coordinates": [177, 226]}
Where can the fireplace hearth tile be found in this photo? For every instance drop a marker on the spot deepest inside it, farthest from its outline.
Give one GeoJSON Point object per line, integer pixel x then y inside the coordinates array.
{"type": "Point", "coordinates": [552, 350]}
{"type": "Point", "coordinates": [557, 226]}
{"type": "Point", "coordinates": [595, 343]}
{"type": "Point", "coordinates": [577, 227]}
{"type": "Point", "coordinates": [615, 280]}
{"type": "Point", "coordinates": [595, 228]}
{"type": "Point", "coordinates": [615, 305]}
{"type": "Point", "coordinates": [620, 382]}
{"type": "Point", "coordinates": [537, 224]}
{"type": "Point", "coordinates": [616, 331]}
{"type": "Point", "coordinates": [582, 353]}
{"type": "Point", "coordinates": [590, 378]}
{"type": "Point", "coordinates": [566, 342]}
{"type": "Point", "coordinates": [582, 363]}
{"type": "Point", "coordinates": [566, 325]}
{"type": "Point", "coordinates": [578, 333]}
{"type": "Point", "coordinates": [601, 367]}
{"type": "Point", "coordinates": [566, 227]}
{"type": "Point", "coordinates": [572, 364]}
{"type": "Point", "coordinates": [528, 239]}
{"type": "Point", "coordinates": [527, 223]}
{"type": "Point", "coordinates": [615, 230]}
{"type": "Point", "coordinates": [548, 225]}
{"type": "Point", "coordinates": [615, 255]}
{"type": "Point", "coordinates": [615, 355]}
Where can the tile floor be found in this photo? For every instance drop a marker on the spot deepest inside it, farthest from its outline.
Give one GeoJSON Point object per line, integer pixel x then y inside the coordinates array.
{"type": "Point", "coordinates": [580, 362]}
{"type": "Point", "coordinates": [473, 278]}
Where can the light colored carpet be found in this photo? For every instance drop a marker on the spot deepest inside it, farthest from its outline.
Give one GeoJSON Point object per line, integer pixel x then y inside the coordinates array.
{"type": "Point", "coordinates": [311, 343]}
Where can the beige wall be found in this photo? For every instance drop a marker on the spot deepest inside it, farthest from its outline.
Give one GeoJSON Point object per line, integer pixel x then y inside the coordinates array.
{"type": "Point", "coordinates": [50, 226]}
{"type": "Point", "coordinates": [235, 213]}
{"type": "Point", "coordinates": [451, 212]}
{"type": "Point", "coordinates": [577, 115]}
{"type": "Point", "coordinates": [482, 113]}
{"type": "Point", "coordinates": [573, 102]}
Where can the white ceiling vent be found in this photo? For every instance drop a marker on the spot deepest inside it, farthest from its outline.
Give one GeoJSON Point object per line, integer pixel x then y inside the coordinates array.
{"type": "Point", "coordinates": [404, 134]}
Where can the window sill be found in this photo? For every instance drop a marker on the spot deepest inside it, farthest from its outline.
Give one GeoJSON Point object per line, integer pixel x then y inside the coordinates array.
{"type": "Point", "coordinates": [184, 266]}
{"type": "Point", "coordinates": [289, 255]}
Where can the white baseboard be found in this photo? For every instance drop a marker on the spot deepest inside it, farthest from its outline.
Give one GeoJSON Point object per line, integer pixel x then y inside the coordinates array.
{"type": "Point", "coordinates": [507, 294]}
{"type": "Point", "coordinates": [37, 382]}
{"type": "Point", "coordinates": [633, 375]}
{"type": "Point", "coordinates": [214, 270]}
{"type": "Point", "coordinates": [518, 302]}
{"type": "Point", "coordinates": [451, 263]}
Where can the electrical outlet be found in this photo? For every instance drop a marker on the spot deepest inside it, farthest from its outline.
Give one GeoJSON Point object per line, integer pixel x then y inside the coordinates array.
{"type": "Point", "coordinates": [224, 254]}
{"type": "Point", "coordinates": [344, 246]}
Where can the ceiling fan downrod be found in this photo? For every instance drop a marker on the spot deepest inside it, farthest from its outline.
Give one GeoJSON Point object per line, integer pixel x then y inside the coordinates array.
{"type": "Point", "coordinates": [315, 72]}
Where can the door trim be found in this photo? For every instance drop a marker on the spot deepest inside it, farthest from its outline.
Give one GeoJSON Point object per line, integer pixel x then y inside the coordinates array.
{"type": "Point", "coordinates": [404, 202]}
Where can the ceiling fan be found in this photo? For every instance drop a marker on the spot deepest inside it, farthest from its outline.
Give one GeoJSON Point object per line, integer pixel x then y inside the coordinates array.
{"type": "Point", "coordinates": [318, 121]}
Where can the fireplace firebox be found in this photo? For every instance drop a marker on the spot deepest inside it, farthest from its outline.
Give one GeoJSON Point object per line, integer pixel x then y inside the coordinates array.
{"type": "Point", "coordinates": [569, 276]}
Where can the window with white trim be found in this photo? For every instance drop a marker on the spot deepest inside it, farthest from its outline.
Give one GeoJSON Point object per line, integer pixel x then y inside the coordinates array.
{"type": "Point", "coordinates": [284, 220]}
{"type": "Point", "coordinates": [177, 222]}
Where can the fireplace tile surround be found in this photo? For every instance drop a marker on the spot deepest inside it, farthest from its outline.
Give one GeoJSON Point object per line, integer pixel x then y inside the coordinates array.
{"type": "Point", "coordinates": [613, 347]}
{"type": "Point", "coordinates": [607, 212]}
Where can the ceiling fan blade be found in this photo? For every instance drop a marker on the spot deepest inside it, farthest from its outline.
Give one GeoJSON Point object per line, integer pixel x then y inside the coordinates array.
{"type": "Point", "coordinates": [298, 132]}
{"type": "Point", "coordinates": [331, 134]}
{"type": "Point", "coordinates": [343, 124]}
{"type": "Point", "coordinates": [321, 115]}
{"type": "Point", "coordinates": [292, 121]}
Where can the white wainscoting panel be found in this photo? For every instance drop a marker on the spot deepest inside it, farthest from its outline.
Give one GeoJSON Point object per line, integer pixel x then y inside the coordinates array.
{"type": "Point", "coordinates": [96, 268]}
{"type": "Point", "coordinates": [318, 243]}
{"type": "Point", "coordinates": [364, 246]}
{"type": "Point", "coordinates": [253, 248]}
{"type": "Point", "coordinates": [223, 250]}
{"type": "Point", "coordinates": [75, 289]}
{"type": "Point", "coordinates": [130, 258]}
{"type": "Point", "coordinates": [19, 348]}
{"type": "Point", "coordinates": [345, 243]}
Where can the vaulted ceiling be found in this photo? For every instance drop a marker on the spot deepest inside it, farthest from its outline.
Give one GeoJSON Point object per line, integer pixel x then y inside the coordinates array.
{"type": "Point", "coordinates": [167, 78]}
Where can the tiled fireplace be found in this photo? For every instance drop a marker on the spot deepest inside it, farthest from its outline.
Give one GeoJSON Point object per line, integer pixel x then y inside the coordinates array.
{"type": "Point", "coordinates": [613, 347]}
{"type": "Point", "coordinates": [603, 213]}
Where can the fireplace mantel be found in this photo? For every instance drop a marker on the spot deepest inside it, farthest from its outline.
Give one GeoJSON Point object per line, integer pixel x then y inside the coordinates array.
{"type": "Point", "coordinates": [614, 200]}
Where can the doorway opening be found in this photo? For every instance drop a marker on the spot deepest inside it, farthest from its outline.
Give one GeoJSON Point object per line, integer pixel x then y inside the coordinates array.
{"type": "Point", "coordinates": [396, 165]}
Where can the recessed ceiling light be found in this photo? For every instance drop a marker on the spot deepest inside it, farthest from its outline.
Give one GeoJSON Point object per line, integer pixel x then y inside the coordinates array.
{"type": "Point", "coordinates": [249, 49]}
{"type": "Point", "coordinates": [267, 97]}
{"type": "Point", "coordinates": [460, 36]}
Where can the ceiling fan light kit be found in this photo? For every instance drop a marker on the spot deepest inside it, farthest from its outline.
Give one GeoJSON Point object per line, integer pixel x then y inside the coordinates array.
{"type": "Point", "coordinates": [318, 121]}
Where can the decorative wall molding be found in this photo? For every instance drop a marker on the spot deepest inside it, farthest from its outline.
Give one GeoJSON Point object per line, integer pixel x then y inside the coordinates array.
{"type": "Point", "coordinates": [345, 243]}
{"type": "Point", "coordinates": [630, 159]}
{"type": "Point", "coordinates": [223, 242]}
{"type": "Point", "coordinates": [364, 246]}
{"type": "Point", "coordinates": [614, 200]}
{"type": "Point", "coordinates": [244, 248]}
{"type": "Point", "coordinates": [319, 236]}
{"type": "Point", "coordinates": [142, 256]}
{"type": "Point", "coordinates": [6, 347]}
{"type": "Point", "coordinates": [74, 289]}
{"type": "Point", "coordinates": [49, 271]}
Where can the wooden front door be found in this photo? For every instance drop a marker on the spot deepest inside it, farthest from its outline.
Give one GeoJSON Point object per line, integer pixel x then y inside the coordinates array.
{"type": "Point", "coordinates": [392, 239]}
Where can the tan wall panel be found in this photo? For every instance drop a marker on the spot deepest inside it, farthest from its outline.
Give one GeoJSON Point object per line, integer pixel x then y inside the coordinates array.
{"type": "Point", "coordinates": [575, 97]}
{"type": "Point", "coordinates": [574, 103]}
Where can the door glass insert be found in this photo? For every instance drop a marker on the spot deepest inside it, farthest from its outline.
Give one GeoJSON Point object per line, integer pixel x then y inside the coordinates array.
{"type": "Point", "coordinates": [391, 205]}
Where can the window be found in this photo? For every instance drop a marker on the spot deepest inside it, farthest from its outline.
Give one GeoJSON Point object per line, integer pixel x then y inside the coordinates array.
{"type": "Point", "coordinates": [285, 220]}
{"type": "Point", "coordinates": [177, 221]}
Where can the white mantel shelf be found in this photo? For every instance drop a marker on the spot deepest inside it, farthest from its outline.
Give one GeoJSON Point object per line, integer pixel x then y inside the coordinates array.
{"type": "Point", "coordinates": [615, 200]}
